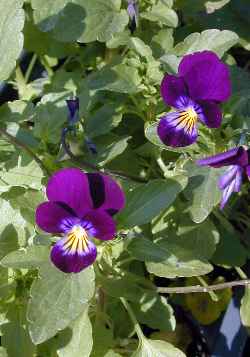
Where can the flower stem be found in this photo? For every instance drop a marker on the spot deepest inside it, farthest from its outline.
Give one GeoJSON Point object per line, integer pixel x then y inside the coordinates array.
{"type": "Point", "coordinates": [8, 137]}
{"type": "Point", "coordinates": [137, 327]}
{"type": "Point", "coordinates": [201, 289]}
{"type": "Point", "coordinates": [30, 68]}
{"type": "Point", "coordinates": [213, 296]}
{"type": "Point", "coordinates": [241, 273]}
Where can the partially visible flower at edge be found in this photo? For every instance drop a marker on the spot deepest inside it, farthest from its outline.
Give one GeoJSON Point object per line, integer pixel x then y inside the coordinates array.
{"type": "Point", "coordinates": [202, 83]}
{"type": "Point", "coordinates": [80, 207]}
{"type": "Point", "coordinates": [133, 13]}
{"type": "Point", "coordinates": [237, 160]}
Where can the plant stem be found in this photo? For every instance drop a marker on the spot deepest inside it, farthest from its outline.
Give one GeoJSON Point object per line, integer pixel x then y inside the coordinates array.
{"type": "Point", "coordinates": [86, 164]}
{"type": "Point", "coordinates": [30, 68]}
{"type": "Point", "coordinates": [241, 273]}
{"type": "Point", "coordinates": [201, 289]}
{"type": "Point", "coordinates": [213, 296]}
{"type": "Point", "coordinates": [8, 137]}
{"type": "Point", "coordinates": [137, 327]}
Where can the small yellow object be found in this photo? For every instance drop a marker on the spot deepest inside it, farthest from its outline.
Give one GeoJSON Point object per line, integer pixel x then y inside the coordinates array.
{"type": "Point", "coordinates": [203, 308]}
{"type": "Point", "coordinates": [77, 240]}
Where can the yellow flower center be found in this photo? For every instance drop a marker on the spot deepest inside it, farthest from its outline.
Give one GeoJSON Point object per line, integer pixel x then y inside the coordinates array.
{"type": "Point", "coordinates": [77, 240]}
{"type": "Point", "coordinates": [188, 119]}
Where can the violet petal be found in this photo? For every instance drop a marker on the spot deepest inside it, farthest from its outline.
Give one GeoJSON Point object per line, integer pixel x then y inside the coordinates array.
{"type": "Point", "coordinates": [175, 132]}
{"type": "Point", "coordinates": [206, 76]}
{"type": "Point", "coordinates": [72, 262]}
{"type": "Point", "coordinates": [71, 187]}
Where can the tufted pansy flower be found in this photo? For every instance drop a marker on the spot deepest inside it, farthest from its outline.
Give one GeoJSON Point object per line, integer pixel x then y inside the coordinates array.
{"type": "Point", "coordinates": [80, 207]}
{"type": "Point", "coordinates": [202, 83]}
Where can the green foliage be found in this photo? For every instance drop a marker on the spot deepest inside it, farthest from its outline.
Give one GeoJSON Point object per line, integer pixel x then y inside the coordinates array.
{"type": "Point", "coordinates": [56, 300]}
{"type": "Point", "coordinates": [11, 25]}
{"type": "Point", "coordinates": [171, 226]}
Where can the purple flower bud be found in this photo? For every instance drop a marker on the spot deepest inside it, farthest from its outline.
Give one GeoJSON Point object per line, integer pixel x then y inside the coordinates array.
{"type": "Point", "coordinates": [73, 108]}
{"type": "Point", "coordinates": [133, 13]}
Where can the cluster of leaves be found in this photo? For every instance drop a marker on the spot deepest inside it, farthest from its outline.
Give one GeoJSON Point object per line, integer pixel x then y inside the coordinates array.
{"type": "Point", "coordinates": [171, 231]}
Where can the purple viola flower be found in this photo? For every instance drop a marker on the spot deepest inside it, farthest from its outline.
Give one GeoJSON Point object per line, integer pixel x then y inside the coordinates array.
{"type": "Point", "coordinates": [73, 108]}
{"type": "Point", "coordinates": [133, 13]}
{"type": "Point", "coordinates": [80, 207]}
{"type": "Point", "coordinates": [238, 165]}
{"type": "Point", "coordinates": [202, 83]}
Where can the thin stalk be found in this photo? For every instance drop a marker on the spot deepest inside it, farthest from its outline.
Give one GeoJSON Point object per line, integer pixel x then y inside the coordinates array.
{"type": "Point", "coordinates": [137, 327]}
{"type": "Point", "coordinates": [30, 68]}
{"type": "Point", "coordinates": [201, 289]}
{"type": "Point", "coordinates": [241, 273]}
{"type": "Point", "coordinates": [8, 137]}
{"type": "Point", "coordinates": [213, 296]}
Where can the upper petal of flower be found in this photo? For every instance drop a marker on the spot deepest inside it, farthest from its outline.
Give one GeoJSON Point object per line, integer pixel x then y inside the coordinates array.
{"type": "Point", "coordinates": [50, 215]}
{"type": "Point", "coordinates": [71, 187]}
{"type": "Point", "coordinates": [206, 76]}
{"type": "Point", "coordinates": [178, 129]}
{"type": "Point", "coordinates": [172, 88]}
{"type": "Point", "coordinates": [73, 258]}
{"type": "Point", "coordinates": [105, 193]}
{"type": "Point", "coordinates": [235, 156]}
{"type": "Point", "coordinates": [210, 114]}
{"type": "Point", "coordinates": [99, 224]}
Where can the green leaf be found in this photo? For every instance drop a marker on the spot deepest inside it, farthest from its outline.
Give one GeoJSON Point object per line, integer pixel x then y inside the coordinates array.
{"type": "Point", "coordinates": [150, 348]}
{"type": "Point", "coordinates": [161, 13]}
{"type": "Point", "coordinates": [11, 25]}
{"type": "Point", "coordinates": [108, 148]}
{"type": "Point", "coordinates": [162, 42]}
{"type": "Point", "coordinates": [16, 111]}
{"type": "Point", "coordinates": [245, 308]}
{"type": "Point", "coordinates": [13, 228]}
{"type": "Point", "coordinates": [191, 236]}
{"type": "Point", "coordinates": [111, 353]}
{"type": "Point", "coordinates": [229, 251]}
{"type": "Point", "coordinates": [15, 337]}
{"type": "Point", "coordinates": [213, 40]}
{"type": "Point", "coordinates": [56, 300]}
{"type": "Point", "coordinates": [169, 260]}
{"type": "Point", "coordinates": [146, 201]}
{"type": "Point", "coordinates": [154, 311]}
{"type": "Point", "coordinates": [70, 21]}
{"type": "Point", "coordinates": [3, 352]}
{"type": "Point", "coordinates": [27, 258]}
{"type": "Point", "coordinates": [50, 116]}
{"type": "Point", "coordinates": [202, 191]}
{"type": "Point", "coordinates": [80, 334]}
{"type": "Point", "coordinates": [102, 340]}
{"type": "Point", "coordinates": [26, 172]}
{"type": "Point", "coordinates": [103, 120]}
{"type": "Point", "coordinates": [120, 78]}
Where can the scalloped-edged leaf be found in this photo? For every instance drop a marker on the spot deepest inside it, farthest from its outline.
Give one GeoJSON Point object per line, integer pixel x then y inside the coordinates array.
{"type": "Point", "coordinates": [56, 300]}
{"type": "Point", "coordinates": [147, 201]}
{"type": "Point", "coordinates": [213, 40]}
{"type": "Point", "coordinates": [81, 20]}
{"type": "Point", "coordinates": [11, 44]}
{"type": "Point", "coordinates": [169, 260]}
{"type": "Point", "coordinates": [81, 342]}
{"type": "Point", "coordinates": [153, 348]}
{"type": "Point", "coordinates": [27, 258]}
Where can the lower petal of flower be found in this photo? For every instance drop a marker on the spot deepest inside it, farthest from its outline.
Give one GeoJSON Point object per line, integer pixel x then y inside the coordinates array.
{"type": "Point", "coordinates": [74, 252]}
{"type": "Point", "coordinates": [178, 129]}
{"type": "Point", "coordinates": [230, 182]}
